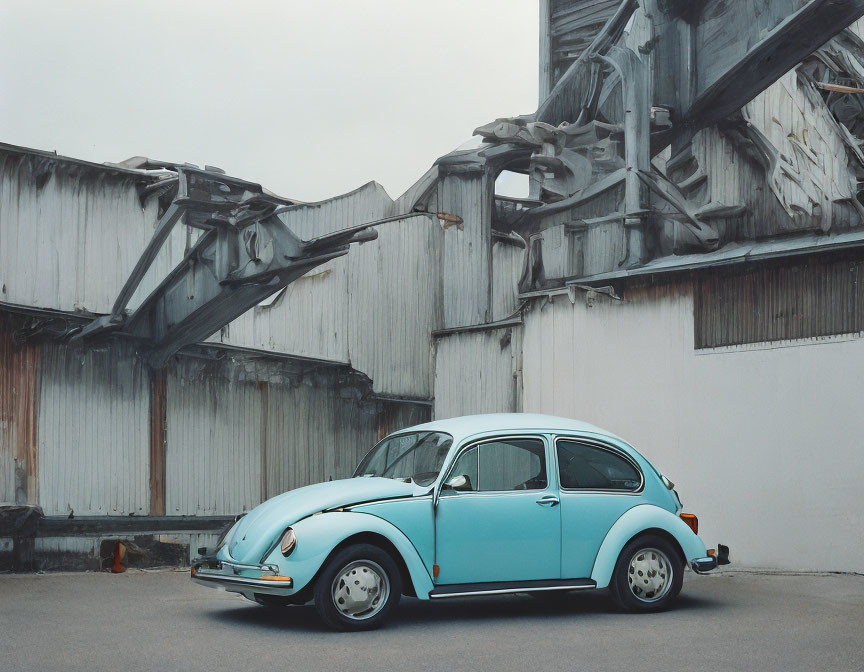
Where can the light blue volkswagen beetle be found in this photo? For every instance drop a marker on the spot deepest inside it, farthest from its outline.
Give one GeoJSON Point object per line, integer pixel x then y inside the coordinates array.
{"type": "Point", "coordinates": [477, 505]}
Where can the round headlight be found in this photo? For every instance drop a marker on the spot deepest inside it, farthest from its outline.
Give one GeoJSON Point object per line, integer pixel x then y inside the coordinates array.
{"type": "Point", "coordinates": [289, 540]}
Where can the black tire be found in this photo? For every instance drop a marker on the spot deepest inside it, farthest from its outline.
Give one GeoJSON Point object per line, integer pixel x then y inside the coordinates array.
{"type": "Point", "coordinates": [367, 561]}
{"type": "Point", "coordinates": [658, 553]}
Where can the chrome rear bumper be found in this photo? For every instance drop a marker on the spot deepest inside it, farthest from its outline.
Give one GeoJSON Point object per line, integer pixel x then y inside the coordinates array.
{"type": "Point", "coordinates": [706, 564]}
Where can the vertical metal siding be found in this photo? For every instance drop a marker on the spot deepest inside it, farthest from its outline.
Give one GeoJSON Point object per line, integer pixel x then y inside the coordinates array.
{"type": "Point", "coordinates": [310, 317]}
{"type": "Point", "coordinates": [374, 308]}
{"type": "Point", "coordinates": [70, 243]}
{"type": "Point", "coordinates": [507, 264]}
{"type": "Point", "coordinates": [467, 250]}
{"type": "Point", "coordinates": [475, 372]}
{"type": "Point", "coordinates": [93, 431]}
{"type": "Point", "coordinates": [779, 303]}
{"type": "Point", "coordinates": [316, 431]}
{"type": "Point", "coordinates": [214, 441]}
{"type": "Point", "coordinates": [394, 304]}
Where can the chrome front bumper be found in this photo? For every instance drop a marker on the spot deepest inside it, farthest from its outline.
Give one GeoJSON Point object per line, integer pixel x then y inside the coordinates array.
{"type": "Point", "coordinates": [209, 571]}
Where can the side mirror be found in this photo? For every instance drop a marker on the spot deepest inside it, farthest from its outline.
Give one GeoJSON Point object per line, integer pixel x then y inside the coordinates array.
{"type": "Point", "coordinates": [460, 483]}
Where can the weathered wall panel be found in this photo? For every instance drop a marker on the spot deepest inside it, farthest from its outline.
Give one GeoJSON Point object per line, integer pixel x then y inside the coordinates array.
{"type": "Point", "coordinates": [508, 262]}
{"type": "Point", "coordinates": [93, 431]}
{"type": "Point", "coordinates": [467, 249]}
{"type": "Point", "coordinates": [315, 434]}
{"type": "Point", "coordinates": [779, 303]}
{"type": "Point", "coordinates": [71, 235]}
{"type": "Point", "coordinates": [477, 372]}
{"type": "Point", "coordinates": [757, 428]}
{"type": "Point", "coordinates": [213, 452]}
{"type": "Point", "coordinates": [374, 308]}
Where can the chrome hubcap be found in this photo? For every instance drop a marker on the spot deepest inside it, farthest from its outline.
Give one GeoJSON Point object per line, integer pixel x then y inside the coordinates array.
{"type": "Point", "coordinates": [650, 575]}
{"type": "Point", "coordinates": [361, 589]}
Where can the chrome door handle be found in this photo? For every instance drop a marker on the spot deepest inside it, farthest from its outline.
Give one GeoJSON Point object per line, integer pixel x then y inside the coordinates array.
{"type": "Point", "coordinates": [551, 500]}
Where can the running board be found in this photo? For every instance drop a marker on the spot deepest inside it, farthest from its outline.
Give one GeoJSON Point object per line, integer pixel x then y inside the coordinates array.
{"type": "Point", "coordinates": [504, 587]}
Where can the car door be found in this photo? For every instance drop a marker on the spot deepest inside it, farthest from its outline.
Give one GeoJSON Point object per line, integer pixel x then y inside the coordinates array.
{"type": "Point", "coordinates": [504, 524]}
{"type": "Point", "coordinates": [598, 484]}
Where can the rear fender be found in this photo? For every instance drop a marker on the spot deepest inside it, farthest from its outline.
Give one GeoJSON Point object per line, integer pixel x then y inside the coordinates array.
{"type": "Point", "coordinates": [633, 522]}
{"type": "Point", "coordinates": [318, 535]}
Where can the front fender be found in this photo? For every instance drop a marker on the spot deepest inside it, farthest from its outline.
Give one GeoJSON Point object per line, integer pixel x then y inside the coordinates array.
{"type": "Point", "coordinates": [318, 535]}
{"type": "Point", "coordinates": [636, 520]}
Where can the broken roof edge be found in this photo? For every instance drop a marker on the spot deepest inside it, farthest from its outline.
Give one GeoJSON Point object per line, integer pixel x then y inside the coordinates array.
{"type": "Point", "coordinates": [371, 184]}
{"type": "Point", "coordinates": [52, 155]}
{"type": "Point", "coordinates": [732, 254]}
{"type": "Point", "coordinates": [160, 170]}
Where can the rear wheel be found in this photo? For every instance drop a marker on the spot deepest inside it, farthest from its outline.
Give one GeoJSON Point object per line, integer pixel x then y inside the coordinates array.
{"type": "Point", "coordinates": [358, 588]}
{"type": "Point", "coordinates": [648, 575]}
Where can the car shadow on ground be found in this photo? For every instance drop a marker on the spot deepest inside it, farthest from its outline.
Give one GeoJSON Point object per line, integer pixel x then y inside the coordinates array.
{"type": "Point", "coordinates": [414, 612]}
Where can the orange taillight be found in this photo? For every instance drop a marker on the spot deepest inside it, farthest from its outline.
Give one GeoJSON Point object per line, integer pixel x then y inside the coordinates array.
{"type": "Point", "coordinates": [691, 520]}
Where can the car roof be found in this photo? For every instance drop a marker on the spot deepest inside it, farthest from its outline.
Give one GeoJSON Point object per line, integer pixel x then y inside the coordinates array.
{"type": "Point", "coordinates": [468, 425]}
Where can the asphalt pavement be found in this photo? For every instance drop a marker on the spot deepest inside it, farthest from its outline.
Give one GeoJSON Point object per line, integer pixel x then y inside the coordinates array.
{"type": "Point", "coordinates": [159, 620]}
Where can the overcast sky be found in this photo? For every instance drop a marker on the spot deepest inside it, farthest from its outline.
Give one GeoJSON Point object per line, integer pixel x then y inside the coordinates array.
{"type": "Point", "coordinates": [311, 99]}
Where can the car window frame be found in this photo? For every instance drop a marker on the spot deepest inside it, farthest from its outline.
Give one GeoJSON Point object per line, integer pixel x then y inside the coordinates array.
{"type": "Point", "coordinates": [503, 437]}
{"type": "Point", "coordinates": [602, 445]}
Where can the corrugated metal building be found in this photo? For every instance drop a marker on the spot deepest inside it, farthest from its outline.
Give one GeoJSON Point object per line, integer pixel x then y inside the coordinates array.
{"type": "Point", "coordinates": [735, 370]}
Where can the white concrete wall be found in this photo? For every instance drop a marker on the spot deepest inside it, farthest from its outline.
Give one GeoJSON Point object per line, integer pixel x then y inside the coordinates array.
{"type": "Point", "coordinates": [764, 442]}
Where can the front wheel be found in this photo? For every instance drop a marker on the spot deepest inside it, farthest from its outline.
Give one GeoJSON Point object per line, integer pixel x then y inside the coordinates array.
{"type": "Point", "coordinates": [358, 588]}
{"type": "Point", "coordinates": [648, 575]}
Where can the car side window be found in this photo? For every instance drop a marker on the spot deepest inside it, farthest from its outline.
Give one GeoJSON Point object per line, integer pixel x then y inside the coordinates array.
{"type": "Point", "coordinates": [512, 464]}
{"type": "Point", "coordinates": [585, 466]}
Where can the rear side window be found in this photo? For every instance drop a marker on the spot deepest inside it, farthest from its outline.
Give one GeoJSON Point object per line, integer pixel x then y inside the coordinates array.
{"type": "Point", "coordinates": [588, 467]}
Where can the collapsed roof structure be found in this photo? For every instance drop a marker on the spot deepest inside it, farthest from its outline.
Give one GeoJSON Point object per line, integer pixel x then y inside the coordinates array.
{"type": "Point", "coordinates": [657, 138]}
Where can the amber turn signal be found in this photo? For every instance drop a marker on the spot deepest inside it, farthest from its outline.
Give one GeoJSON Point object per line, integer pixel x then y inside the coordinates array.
{"type": "Point", "coordinates": [691, 520]}
{"type": "Point", "coordinates": [712, 552]}
{"type": "Point", "coordinates": [275, 578]}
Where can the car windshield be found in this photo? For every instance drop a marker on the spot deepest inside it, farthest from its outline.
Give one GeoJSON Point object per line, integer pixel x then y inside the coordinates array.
{"type": "Point", "coordinates": [417, 457]}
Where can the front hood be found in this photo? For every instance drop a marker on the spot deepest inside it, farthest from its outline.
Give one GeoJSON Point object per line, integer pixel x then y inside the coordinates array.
{"type": "Point", "coordinates": [258, 530]}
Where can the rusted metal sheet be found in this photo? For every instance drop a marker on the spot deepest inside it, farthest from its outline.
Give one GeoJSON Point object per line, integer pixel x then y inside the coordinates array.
{"type": "Point", "coordinates": [778, 303]}
{"type": "Point", "coordinates": [396, 415]}
{"type": "Point", "coordinates": [19, 448]}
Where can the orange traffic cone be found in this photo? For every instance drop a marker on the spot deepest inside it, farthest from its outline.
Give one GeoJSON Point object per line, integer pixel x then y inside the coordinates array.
{"type": "Point", "coordinates": [119, 556]}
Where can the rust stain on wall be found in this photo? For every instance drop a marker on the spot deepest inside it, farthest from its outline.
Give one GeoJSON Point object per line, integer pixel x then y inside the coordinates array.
{"type": "Point", "coordinates": [158, 434]}
{"type": "Point", "coordinates": [18, 413]}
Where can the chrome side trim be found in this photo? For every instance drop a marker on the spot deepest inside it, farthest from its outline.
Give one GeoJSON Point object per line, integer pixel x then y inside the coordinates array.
{"type": "Point", "coordinates": [506, 591]}
{"type": "Point", "coordinates": [406, 498]}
